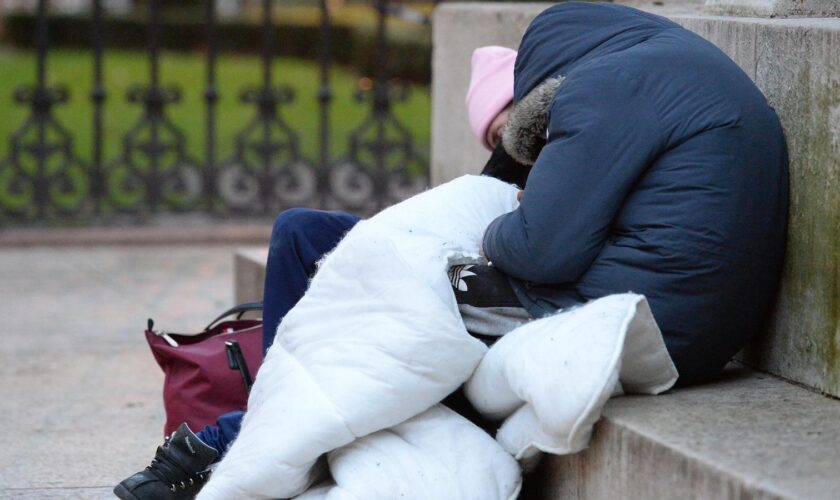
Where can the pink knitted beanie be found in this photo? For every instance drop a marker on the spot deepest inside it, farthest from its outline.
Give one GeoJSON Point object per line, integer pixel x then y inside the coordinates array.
{"type": "Point", "coordinates": [491, 87]}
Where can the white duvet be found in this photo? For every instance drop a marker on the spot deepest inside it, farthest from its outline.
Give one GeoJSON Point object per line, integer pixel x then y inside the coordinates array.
{"type": "Point", "coordinates": [346, 402]}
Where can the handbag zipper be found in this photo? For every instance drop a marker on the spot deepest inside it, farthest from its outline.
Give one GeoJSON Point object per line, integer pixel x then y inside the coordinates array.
{"type": "Point", "coordinates": [150, 326]}
{"type": "Point", "coordinates": [169, 340]}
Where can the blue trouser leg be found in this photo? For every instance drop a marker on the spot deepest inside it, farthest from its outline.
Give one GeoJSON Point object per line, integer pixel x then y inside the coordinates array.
{"type": "Point", "coordinates": [299, 239]}
{"type": "Point", "coordinates": [220, 436]}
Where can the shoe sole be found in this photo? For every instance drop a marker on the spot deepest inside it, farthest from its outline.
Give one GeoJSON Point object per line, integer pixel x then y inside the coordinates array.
{"type": "Point", "coordinates": [123, 493]}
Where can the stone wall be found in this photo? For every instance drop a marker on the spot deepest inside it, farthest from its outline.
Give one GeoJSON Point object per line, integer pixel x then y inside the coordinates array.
{"type": "Point", "coordinates": [775, 8]}
{"type": "Point", "coordinates": [796, 63]}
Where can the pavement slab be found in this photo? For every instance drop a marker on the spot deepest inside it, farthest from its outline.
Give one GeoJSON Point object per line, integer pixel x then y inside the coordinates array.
{"type": "Point", "coordinates": [80, 402]}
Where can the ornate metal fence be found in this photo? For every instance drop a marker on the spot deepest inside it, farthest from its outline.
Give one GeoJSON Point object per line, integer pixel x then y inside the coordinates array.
{"type": "Point", "coordinates": [43, 178]}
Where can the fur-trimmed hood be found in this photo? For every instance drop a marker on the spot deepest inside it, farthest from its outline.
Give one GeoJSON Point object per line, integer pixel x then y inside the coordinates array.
{"type": "Point", "coordinates": [558, 42]}
{"type": "Point", "coordinates": [524, 133]}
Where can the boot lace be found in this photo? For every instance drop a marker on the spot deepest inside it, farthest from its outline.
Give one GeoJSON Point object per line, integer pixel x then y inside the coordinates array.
{"type": "Point", "coordinates": [172, 473]}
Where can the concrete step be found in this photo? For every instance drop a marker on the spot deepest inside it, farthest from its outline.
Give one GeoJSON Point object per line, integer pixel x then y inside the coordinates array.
{"type": "Point", "coordinates": [748, 435]}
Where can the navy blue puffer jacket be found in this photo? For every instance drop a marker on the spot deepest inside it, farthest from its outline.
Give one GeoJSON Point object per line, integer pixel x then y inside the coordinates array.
{"type": "Point", "coordinates": [664, 172]}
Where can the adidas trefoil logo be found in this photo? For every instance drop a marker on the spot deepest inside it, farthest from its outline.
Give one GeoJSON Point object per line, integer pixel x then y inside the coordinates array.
{"type": "Point", "coordinates": [457, 275]}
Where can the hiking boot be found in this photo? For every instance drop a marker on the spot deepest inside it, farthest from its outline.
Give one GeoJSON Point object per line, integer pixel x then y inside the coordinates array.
{"type": "Point", "coordinates": [178, 471]}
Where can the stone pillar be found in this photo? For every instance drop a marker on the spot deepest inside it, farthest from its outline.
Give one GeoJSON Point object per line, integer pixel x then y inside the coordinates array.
{"type": "Point", "coordinates": [458, 29]}
{"type": "Point", "coordinates": [775, 8]}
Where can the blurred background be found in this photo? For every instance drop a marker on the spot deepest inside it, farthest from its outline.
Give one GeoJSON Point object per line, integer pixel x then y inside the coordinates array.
{"type": "Point", "coordinates": [123, 112]}
{"type": "Point", "coordinates": [142, 142]}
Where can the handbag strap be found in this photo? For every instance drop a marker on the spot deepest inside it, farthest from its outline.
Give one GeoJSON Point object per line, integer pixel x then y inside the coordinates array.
{"type": "Point", "coordinates": [238, 310]}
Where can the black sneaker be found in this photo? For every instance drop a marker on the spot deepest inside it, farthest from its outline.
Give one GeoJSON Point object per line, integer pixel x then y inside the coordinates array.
{"type": "Point", "coordinates": [178, 471]}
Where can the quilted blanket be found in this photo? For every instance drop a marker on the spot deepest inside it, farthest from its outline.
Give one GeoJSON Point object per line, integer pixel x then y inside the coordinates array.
{"type": "Point", "coordinates": [345, 405]}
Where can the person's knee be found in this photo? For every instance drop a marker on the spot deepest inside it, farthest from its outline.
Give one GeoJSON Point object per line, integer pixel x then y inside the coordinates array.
{"type": "Point", "coordinates": [290, 221]}
{"type": "Point", "coordinates": [305, 227]}
{"type": "Point", "coordinates": [291, 225]}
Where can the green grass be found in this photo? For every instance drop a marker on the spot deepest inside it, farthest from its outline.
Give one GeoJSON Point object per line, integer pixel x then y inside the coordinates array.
{"type": "Point", "coordinates": [74, 68]}
{"type": "Point", "coordinates": [360, 16]}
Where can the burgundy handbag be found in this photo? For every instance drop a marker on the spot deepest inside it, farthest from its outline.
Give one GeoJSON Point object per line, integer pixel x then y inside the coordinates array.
{"type": "Point", "coordinates": [209, 373]}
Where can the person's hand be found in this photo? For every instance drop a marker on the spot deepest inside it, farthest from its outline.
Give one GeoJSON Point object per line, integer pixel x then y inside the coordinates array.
{"type": "Point", "coordinates": [519, 196]}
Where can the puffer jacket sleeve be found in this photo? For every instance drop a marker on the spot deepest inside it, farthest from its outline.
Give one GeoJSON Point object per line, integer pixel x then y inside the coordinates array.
{"type": "Point", "coordinates": [601, 138]}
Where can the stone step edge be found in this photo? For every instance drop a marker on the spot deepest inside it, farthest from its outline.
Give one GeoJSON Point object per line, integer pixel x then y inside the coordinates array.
{"type": "Point", "coordinates": [748, 435]}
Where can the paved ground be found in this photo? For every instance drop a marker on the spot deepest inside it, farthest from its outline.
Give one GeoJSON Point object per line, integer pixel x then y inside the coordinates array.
{"type": "Point", "coordinates": [80, 402]}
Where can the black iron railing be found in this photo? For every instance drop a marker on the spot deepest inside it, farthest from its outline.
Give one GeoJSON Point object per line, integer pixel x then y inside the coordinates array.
{"type": "Point", "coordinates": [43, 178]}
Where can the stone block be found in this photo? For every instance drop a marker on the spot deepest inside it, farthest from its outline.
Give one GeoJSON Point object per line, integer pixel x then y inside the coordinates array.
{"type": "Point", "coordinates": [796, 63]}
{"type": "Point", "coordinates": [458, 29]}
{"type": "Point", "coordinates": [249, 274]}
{"type": "Point", "coordinates": [775, 8]}
{"type": "Point", "coordinates": [747, 436]}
